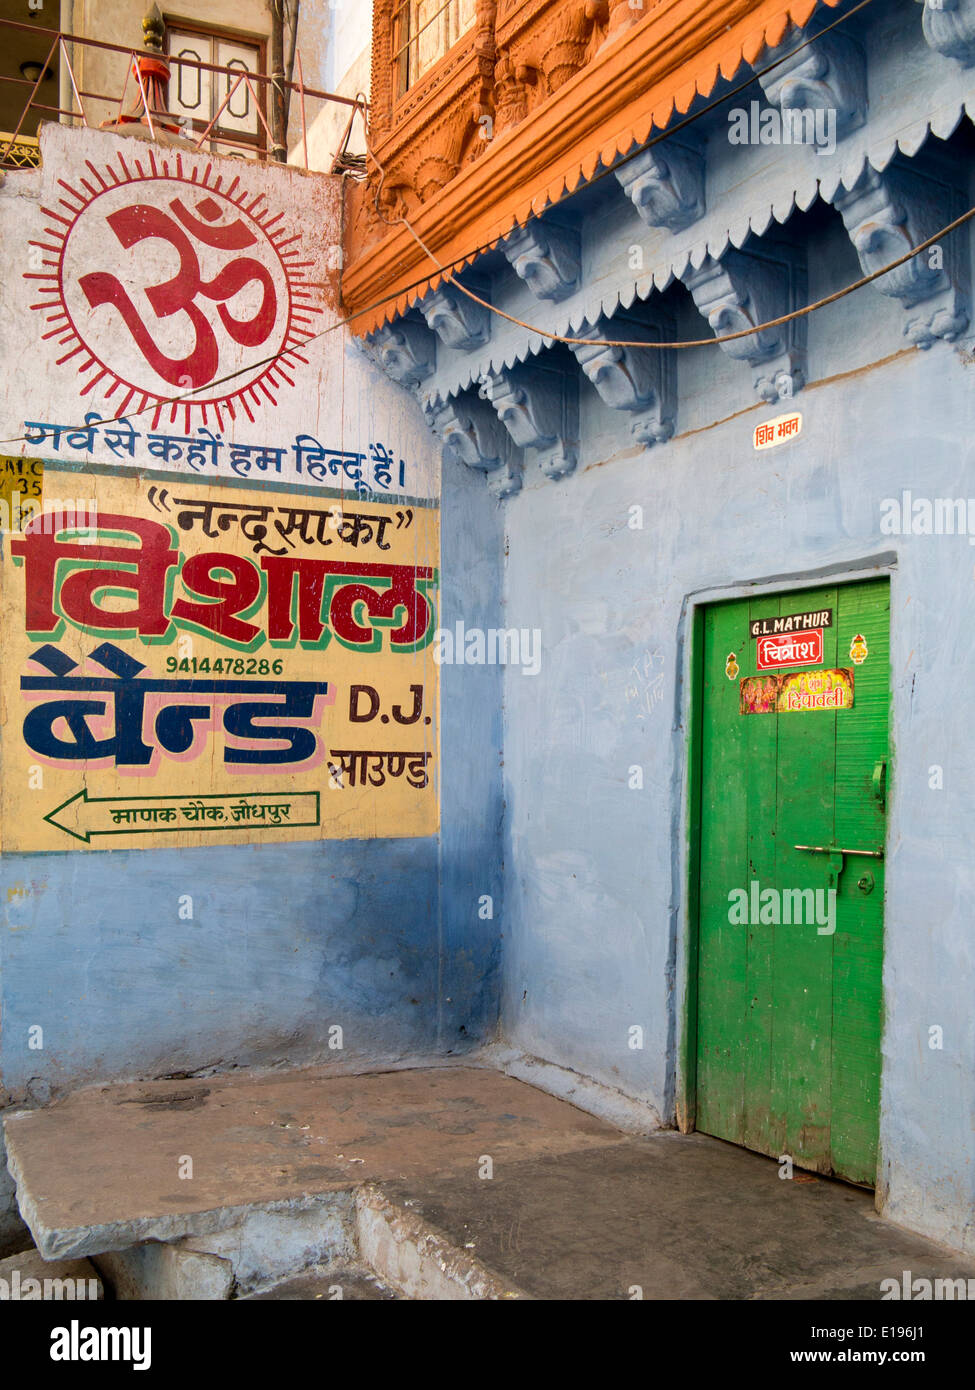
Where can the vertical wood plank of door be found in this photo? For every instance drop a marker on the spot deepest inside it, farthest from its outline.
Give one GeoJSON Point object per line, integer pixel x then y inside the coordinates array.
{"type": "Point", "coordinates": [803, 972]}
{"type": "Point", "coordinates": [861, 744]}
{"type": "Point", "coordinates": [721, 1045]}
{"type": "Point", "coordinates": [759, 938]}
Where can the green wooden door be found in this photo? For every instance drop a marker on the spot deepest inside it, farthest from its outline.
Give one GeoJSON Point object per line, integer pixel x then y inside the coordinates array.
{"type": "Point", "coordinates": [789, 999]}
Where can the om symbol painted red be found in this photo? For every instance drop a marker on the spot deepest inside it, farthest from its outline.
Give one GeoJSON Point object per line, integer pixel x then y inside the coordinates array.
{"type": "Point", "coordinates": [172, 281]}
{"type": "Point", "coordinates": [178, 295]}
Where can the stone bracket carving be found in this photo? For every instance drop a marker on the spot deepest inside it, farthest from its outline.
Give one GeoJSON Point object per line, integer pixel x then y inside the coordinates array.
{"type": "Point", "coordinates": [744, 289]}
{"type": "Point", "coordinates": [949, 28]}
{"type": "Point", "coordinates": [666, 182]}
{"type": "Point", "coordinates": [406, 351]}
{"type": "Point", "coordinates": [830, 75]}
{"type": "Point", "coordinates": [641, 381]}
{"type": "Point", "coordinates": [459, 322]}
{"type": "Point", "coordinates": [539, 407]}
{"type": "Point", "coordinates": [885, 215]}
{"type": "Point", "coordinates": [472, 434]}
{"type": "Point", "coordinates": [546, 258]}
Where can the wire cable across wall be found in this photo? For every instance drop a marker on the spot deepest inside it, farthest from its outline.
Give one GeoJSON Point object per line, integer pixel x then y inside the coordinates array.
{"type": "Point", "coordinates": [447, 274]}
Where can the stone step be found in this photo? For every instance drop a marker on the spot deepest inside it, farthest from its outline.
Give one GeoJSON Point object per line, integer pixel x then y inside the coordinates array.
{"type": "Point", "coordinates": [219, 1189]}
{"type": "Point", "coordinates": [348, 1284]}
{"type": "Point", "coordinates": [407, 1252]}
{"type": "Point", "coordinates": [361, 1234]}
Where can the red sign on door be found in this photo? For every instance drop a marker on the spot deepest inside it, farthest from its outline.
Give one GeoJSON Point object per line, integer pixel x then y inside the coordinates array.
{"type": "Point", "coordinates": [791, 649]}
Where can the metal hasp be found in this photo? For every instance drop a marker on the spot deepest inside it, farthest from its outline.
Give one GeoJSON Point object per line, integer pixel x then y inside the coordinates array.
{"type": "Point", "coordinates": [836, 863]}
{"type": "Point", "coordinates": [838, 849]}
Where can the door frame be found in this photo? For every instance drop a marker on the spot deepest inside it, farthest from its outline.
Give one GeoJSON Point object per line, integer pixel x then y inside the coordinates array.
{"type": "Point", "coordinates": [691, 640]}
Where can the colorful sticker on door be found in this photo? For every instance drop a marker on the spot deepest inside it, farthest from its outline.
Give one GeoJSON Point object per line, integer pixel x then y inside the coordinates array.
{"type": "Point", "coordinates": [189, 665]}
{"type": "Point", "coordinates": [858, 649]}
{"type": "Point", "coordinates": [806, 650]}
{"type": "Point", "coordinates": [800, 692]}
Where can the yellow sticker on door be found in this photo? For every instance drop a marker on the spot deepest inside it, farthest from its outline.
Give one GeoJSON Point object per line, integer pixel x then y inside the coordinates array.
{"type": "Point", "coordinates": [798, 693]}
{"type": "Point", "coordinates": [858, 649]}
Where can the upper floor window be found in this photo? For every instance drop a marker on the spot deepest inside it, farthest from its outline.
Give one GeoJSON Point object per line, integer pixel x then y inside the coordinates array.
{"type": "Point", "coordinates": [197, 94]}
{"type": "Point", "coordinates": [423, 31]}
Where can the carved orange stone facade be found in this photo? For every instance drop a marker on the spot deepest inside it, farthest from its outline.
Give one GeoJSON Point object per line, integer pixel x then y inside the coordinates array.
{"type": "Point", "coordinates": [532, 97]}
{"type": "Point", "coordinates": [508, 62]}
{"type": "Point", "coordinates": [446, 103]}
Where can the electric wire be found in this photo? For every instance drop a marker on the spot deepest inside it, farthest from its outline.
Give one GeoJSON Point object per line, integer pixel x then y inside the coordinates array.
{"type": "Point", "coordinates": [445, 270]}
{"type": "Point", "coordinates": [716, 338]}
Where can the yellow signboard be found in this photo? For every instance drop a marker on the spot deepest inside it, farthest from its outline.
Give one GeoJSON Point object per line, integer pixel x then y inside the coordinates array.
{"type": "Point", "coordinates": [21, 490]}
{"type": "Point", "coordinates": [187, 665]}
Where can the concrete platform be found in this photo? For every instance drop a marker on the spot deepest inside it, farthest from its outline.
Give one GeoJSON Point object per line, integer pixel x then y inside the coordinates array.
{"type": "Point", "coordinates": [100, 1170]}
{"type": "Point", "coordinates": [673, 1216]}
{"type": "Point", "coordinates": [450, 1183]}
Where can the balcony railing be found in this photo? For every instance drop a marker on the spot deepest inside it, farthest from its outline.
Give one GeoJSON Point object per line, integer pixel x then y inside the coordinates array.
{"type": "Point", "coordinates": [22, 153]}
{"type": "Point", "coordinates": [140, 98]}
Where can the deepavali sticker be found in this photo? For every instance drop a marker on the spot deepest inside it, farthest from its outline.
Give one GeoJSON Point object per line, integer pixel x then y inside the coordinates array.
{"type": "Point", "coordinates": [797, 693]}
{"type": "Point", "coordinates": [816, 690]}
{"type": "Point", "coordinates": [731, 666]}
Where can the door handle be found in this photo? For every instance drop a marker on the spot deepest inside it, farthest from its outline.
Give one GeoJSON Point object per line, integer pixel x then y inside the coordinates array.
{"type": "Point", "coordinates": [879, 781]}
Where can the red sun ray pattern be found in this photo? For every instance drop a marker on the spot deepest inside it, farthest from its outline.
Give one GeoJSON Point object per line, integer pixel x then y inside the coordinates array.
{"type": "Point", "coordinates": [253, 390]}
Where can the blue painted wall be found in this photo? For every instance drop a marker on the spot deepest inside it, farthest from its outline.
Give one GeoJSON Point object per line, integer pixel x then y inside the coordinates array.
{"type": "Point", "coordinates": [586, 877]}
{"type": "Point", "coordinates": [472, 806]}
{"type": "Point", "coordinates": [381, 937]}
{"type": "Point", "coordinates": [595, 902]}
{"type": "Point", "coordinates": [595, 923]}
{"type": "Point", "coordinates": [285, 940]}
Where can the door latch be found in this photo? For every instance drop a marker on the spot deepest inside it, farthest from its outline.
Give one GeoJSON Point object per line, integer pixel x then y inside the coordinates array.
{"type": "Point", "coordinates": [836, 861]}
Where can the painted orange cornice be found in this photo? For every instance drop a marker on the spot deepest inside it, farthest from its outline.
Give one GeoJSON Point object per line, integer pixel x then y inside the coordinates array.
{"type": "Point", "coordinates": [651, 73]}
